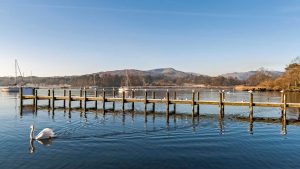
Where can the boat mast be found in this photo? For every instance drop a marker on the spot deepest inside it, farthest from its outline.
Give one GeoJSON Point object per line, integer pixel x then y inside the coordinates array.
{"type": "Point", "coordinates": [94, 79]}
{"type": "Point", "coordinates": [17, 67]}
{"type": "Point", "coordinates": [127, 79]}
{"type": "Point", "coordinates": [16, 72]}
{"type": "Point", "coordinates": [31, 77]}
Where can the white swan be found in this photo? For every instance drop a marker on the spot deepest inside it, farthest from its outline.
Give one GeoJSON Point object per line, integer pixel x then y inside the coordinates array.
{"type": "Point", "coordinates": [44, 134]}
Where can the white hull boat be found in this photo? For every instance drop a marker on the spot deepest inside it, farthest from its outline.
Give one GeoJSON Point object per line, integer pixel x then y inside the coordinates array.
{"type": "Point", "coordinates": [123, 89]}
{"type": "Point", "coordinates": [10, 89]}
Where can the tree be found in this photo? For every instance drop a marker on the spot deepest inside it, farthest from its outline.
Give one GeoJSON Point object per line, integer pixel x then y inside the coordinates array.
{"type": "Point", "coordinates": [260, 76]}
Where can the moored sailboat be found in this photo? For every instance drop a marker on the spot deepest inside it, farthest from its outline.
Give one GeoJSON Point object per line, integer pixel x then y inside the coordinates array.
{"type": "Point", "coordinates": [127, 82]}
{"type": "Point", "coordinates": [15, 87]}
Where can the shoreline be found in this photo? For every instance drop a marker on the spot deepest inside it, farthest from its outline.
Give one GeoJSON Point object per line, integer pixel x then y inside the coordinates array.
{"type": "Point", "coordinates": [262, 89]}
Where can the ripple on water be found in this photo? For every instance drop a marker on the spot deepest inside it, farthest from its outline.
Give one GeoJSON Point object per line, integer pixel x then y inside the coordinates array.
{"type": "Point", "coordinates": [116, 140]}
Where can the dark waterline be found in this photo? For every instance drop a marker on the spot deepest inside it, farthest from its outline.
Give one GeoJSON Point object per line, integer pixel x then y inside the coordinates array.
{"type": "Point", "coordinates": [117, 140]}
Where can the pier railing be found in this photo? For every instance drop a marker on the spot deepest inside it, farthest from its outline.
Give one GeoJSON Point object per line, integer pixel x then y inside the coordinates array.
{"type": "Point", "coordinates": [148, 98]}
{"type": "Point", "coordinates": [68, 97]}
{"type": "Point", "coordinates": [195, 101]}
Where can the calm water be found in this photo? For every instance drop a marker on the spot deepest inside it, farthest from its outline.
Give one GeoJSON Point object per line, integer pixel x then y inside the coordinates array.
{"type": "Point", "coordinates": [129, 140]}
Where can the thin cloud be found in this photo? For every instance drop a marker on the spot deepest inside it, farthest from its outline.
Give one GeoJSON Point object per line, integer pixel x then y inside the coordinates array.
{"type": "Point", "coordinates": [142, 11]}
{"type": "Point", "coordinates": [290, 9]}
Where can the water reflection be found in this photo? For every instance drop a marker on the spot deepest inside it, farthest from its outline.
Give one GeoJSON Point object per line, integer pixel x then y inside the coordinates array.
{"type": "Point", "coordinates": [31, 146]}
{"type": "Point", "coordinates": [45, 142]}
{"type": "Point", "coordinates": [195, 120]}
{"type": "Point", "coordinates": [251, 127]}
{"type": "Point", "coordinates": [221, 126]}
{"type": "Point", "coordinates": [283, 129]}
{"type": "Point", "coordinates": [251, 121]}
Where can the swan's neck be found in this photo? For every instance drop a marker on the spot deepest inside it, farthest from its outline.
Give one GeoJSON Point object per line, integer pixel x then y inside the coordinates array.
{"type": "Point", "coordinates": [31, 134]}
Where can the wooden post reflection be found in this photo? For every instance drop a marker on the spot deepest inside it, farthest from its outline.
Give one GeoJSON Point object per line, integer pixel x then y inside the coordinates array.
{"type": "Point", "coordinates": [193, 104]}
{"type": "Point", "coordinates": [49, 100]}
{"type": "Point", "coordinates": [35, 100]}
{"type": "Point", "coordinates": [80, 102]}
{"type": "Point", "coordinates": [145, 103]}
{"type": "Point", "coordinates": [21, 100]}
{"type": "Point", "coordinates": [153, 104]}
{"type": "Point", "coordinates": [114, 103]}
{"type": "Point", "coordinates": [70, 100]}
{"type": "Point", "coordinates": [33, 94]}
{"type": "Point", "coordinates": [103, 102]}
{"type": "Point", "coordinates": [123, 101]}
{"type": "Point", "coordinates": [283, 129]}
{"type": "Point", "coordinates": [64, 101]}
{"type": "Point", "coordinates": [174, 97]}
{"type": "Point", "coordinates": [96, 102]}
{"type": "Point", "coordinates": [84, 108]}
{"type": "Point", "coordinates": [53, 100]}
{"type": "Point", "coordinates": [221, 125]}
{"type": "Point", "coordinates": [251, 126]}
{"type": "Point", "coordinates": [198, 106]}
{"type": "Point", "coordinates": [133, 96]}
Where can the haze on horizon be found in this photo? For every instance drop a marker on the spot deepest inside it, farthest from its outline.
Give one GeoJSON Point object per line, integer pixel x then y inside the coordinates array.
{"type": "Point", "coordinates": [73, 37]}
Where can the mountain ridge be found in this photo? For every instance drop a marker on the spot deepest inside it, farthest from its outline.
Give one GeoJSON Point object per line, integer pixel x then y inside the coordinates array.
{"type": "Point", "coordinates": [152, 77]}
{"type": "Point", "coordinates": [245, 75]}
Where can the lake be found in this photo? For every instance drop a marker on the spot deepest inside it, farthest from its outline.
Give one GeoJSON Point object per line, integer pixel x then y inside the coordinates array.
{"type": "Point", "coordinates": [95, 139]}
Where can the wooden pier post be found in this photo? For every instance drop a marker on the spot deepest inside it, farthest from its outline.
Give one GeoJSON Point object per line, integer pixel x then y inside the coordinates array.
{"type": "Point", "coordinates": [64, 101]}
{"type": "Point", "coordinates": [80, 102]}
{"type": "Point", "coordinates": [84, 100]}
{"type": "Point", "coordinates": [33, 94]}
{"type": "Point", "coordinates": [21, 99]}
{"type": "Point", "coordinates": [223, 99]}
{"type": "Point", "coordinates": [281, 100]}
{"type": "Point", "coordinates": [284, 99]}
{"type": "Point", "coordinates": [153, 104]}
{"type": "Point", "coordinates": [132, 95]}
{"type": "Point", "coordinates": [123, 101]}
{"type": "Point", "coordinates": [282, 93]}
{"type": "Point", "coordinates": [49, 100]}
{"type": "Point", "coordinates": [174, 103]}
{"type": "Point", "coordinates": [104, 99]}
{"type": "Point", "coordinates": [198, 106]}
{"type": "Point", "coordinates": [284, 105]}
{"type": "Point", "coordinates": [35, 100]}
{"type": "Point", "coordinates": [145, 102]}
{"type": "Point", "coordinates": [114, 95]}
{"type": "Point", "coordinates": [251, 105]}
{"type": "Point", "coordinates": [221, 103]}
{"type": "Point", "coordinates": [53, 99]}
{"type": "Point", "coordinates": [167, 104]}
{"type": "Point", "coordinates": [96, 102]}
{"type": "Point", "coordinates": [193, 103]}
{"type": "Point", "coordinates": [70, 99]}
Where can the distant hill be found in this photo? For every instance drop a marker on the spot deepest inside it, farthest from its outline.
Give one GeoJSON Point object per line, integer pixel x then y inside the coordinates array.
{"type": "Point", "coordinates": [246, 75]}
{"type": "Point", "coordinates": [168, 72]}
{"type": "Point", "coordinates": [154, 77]}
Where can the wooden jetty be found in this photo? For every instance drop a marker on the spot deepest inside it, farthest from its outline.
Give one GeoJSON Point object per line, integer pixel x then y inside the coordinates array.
{"type": "Point", "coordinates": [195, 101]}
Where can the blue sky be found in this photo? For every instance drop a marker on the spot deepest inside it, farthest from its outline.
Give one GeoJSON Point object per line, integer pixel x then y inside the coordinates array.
{"type": "Point", "coordinates": [69, 37]}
